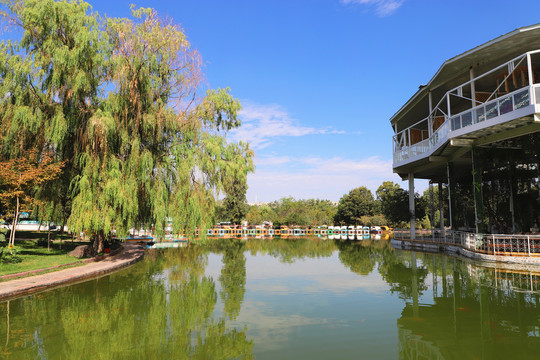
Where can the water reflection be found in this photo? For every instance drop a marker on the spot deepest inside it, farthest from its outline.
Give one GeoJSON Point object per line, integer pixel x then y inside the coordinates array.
{"type": "Point", "coordinates": [147, 314]}
{"type": "Point", "coordinates": [471, 310]}
{"type": "Point", "coordinates": [284, 298]}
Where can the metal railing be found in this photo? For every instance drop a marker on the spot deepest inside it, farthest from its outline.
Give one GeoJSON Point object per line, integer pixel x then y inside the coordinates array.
{"type": "Point", "coordinates": [405, 149]}
{"type": "Point", "coordinates": [500, 106]}
{"type": "Point", "coordinates": [491, 244]}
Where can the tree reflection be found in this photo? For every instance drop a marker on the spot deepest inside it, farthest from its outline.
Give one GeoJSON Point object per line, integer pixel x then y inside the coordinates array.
{"type": "Point", "coordinates": [361, 257]}
{"type": "Point", "coordinates": [406, 279]}
{"type": "Point", "coordinates": [139, 313]}
{"type": "Point", "coordinates": [480, 312]}
{"type": "Point", "coordinates": [290, 250]}
{"type": "Point", "coordinates": [233, 277]}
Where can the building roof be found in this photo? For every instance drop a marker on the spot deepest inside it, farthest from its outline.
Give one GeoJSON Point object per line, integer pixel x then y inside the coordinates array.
{"type": "Point", "coordinates": [496, 51]}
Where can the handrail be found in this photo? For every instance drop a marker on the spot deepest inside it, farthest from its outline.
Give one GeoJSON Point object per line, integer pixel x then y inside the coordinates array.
{"type": "Point", "coordinates": [436, 107]}
{"type": "Point", "coordinates": [490, 244]}
{"type": "Point", "coordinates": [446, 128]}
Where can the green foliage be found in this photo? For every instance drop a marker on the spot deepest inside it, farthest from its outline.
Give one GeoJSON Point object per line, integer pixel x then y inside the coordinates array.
{"type": "Point", "coordinates": [374, 220]}
{"type": "Point", "coordinates": [394, 202]}
{"type": "Point", "coordinates": [234, 207]}
{"type": "Point", "coordinates": [8, 255]}
{"type": "Point", "coordinates": [257, 214]}
{"type": "Point", "coordinates": [120, 103]}
{"type": "Point", "coordinates": [425, 223]}
{"type": "Point", "coordinates": [357, 203]}
{"type": "Point", "coordinates": [289, 211]}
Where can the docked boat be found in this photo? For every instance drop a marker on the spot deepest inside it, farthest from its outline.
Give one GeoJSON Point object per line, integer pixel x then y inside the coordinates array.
{"type": "Point", "coordinates": [365, 230]}
{"type": "Point", "coordinates": [376, 230]}
{"type": "Point", "coordinates": [137, 238]}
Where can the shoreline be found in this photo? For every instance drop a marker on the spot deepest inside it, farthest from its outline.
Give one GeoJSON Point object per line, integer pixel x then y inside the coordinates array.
{"type": "Point", "coordinates": [512, 262]}
{"type": "Point", "coordinates": [128, 255]}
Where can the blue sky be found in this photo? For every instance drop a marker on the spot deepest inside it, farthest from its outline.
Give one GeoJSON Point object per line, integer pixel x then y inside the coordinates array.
{"type": "Point", "coordinates": [319, 79]}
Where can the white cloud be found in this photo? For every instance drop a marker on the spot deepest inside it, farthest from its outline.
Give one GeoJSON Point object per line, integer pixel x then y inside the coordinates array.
{"type": "Point", "coordinates": [263, 124]}
{"type": "Point", "coordinates": [382, 7]}
{"type": "Point", "coordinates": [316, 177]}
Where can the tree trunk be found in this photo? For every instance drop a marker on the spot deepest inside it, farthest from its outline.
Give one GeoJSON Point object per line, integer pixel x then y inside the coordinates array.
{"type": "Point", "coordinates": [49, 239]}
{"type": "Point", "coordinates": [14, 224]}
{"type": "Point", "coordinates": [63, 226]}
{"type": "Point", "coordinates": [99, 242]}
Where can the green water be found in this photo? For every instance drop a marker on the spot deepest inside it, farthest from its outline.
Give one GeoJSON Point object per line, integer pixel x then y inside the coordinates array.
{"type": "Point", "coordinates": [283, 299]}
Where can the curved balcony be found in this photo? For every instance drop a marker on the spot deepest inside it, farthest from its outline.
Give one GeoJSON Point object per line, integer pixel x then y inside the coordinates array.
{"type": "Point", "coordinates": [495, 111]}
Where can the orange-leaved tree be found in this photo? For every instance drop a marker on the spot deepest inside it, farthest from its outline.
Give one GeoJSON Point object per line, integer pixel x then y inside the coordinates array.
{"type": "Point", "coordinates": [19, 179]}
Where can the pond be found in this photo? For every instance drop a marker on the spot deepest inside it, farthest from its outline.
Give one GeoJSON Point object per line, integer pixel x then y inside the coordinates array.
{"type": "Point", "coordinates": [286, 299]}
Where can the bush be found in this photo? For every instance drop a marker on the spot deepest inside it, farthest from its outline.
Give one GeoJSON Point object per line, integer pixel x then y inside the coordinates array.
{"type": "Point", "coordinates": [8, 255]}
{"type": "Point", "coordinates": [3, 233]}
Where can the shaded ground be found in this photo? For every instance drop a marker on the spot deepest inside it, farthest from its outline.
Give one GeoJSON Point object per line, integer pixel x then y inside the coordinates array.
{"type": "Point", "coordinates": [31, 252]}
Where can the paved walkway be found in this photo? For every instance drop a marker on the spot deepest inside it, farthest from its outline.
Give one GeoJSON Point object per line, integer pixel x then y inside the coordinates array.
{"type": "Point", "coordinates": [14, 288]}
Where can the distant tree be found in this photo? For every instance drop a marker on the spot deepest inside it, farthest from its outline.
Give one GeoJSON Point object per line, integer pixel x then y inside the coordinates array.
{"type": "Point", "coordinates": [234, 206]}
{"type": "Point", "coordinates": [374, 220]}
{"type": "Point", "coordinates": [257, 214]}
{"type": "Point", "coordinates": [18, 179]}
{"type": "Point", "coordinates": [358, 202]}
{"type": "Point", "coordinates": [393, 202]}
{"type": "Point", "coordinates": [430, 203]}
{"type": "Point", "coordinates": [310, 212]}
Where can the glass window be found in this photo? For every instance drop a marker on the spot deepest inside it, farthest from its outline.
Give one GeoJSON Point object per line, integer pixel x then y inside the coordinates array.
{"type": "Point", "coordinates": [480, 114]}
{"type": "Point", "coordinates": [521, 99]}
{"type": "Point", "coordinates": [492, 110]}
{"type": "Point", "coordinates": [456, 124]}
{"type": "Point", "coordinates": [505, 105]}
{"type": "Point", "coordinates": [466, 119]}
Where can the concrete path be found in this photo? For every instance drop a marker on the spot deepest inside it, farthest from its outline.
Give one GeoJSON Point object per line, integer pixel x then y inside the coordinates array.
{"type": "Point", "coordinates": [129, 255]}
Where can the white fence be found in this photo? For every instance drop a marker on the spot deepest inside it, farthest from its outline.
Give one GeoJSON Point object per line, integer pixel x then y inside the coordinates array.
{"type": "Point", "coordinates": [492, 244]}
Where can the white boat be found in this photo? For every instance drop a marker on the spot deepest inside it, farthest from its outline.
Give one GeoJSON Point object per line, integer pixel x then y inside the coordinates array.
{"type": "Point", "coordinates": [376, 230]}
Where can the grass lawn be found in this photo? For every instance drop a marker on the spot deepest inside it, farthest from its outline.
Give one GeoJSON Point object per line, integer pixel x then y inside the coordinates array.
{"type": "Point", "coordinates": [33, 254]}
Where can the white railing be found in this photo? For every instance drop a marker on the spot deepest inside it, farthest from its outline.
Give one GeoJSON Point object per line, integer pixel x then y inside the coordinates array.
{"type": "Point", "coordinates": [489, 110]}
{"type": "Point", "coordinates": [491, 244]}
{"type": "Point", "coordinates": [403, 149]}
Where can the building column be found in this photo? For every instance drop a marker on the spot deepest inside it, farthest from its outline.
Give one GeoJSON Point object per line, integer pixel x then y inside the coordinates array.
{"type": "Point", "coordinates": [511, 183]}
{"type": "Point", "coordinates": [431, 206]}
{"type": "Point", "coordinates": [451, 194]}
{"type": "Point", "coordinates": [473, 88]}
{"type": "Point", "coordinates": [430, 117]}
{"type": "Point", "coordinates": [478, 193]}
{"type": "Point", "coordinates": [411, 205]}
{"type": "Point", "coordinates": [441, 206]}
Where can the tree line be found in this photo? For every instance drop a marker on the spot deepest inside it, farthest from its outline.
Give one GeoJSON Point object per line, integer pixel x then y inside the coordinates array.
{"type": "Point", "coordinates": [389, 206]}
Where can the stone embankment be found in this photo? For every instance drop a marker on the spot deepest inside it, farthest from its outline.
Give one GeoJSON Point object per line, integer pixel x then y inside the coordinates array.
{"type": "Point", "coordinates": [128, 255]}
{"type": "Point", "coordinates": [517, 262]}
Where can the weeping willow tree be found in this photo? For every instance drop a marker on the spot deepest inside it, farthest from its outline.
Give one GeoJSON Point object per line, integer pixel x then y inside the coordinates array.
{"type": "Point", "coordinates": [120, 101]}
